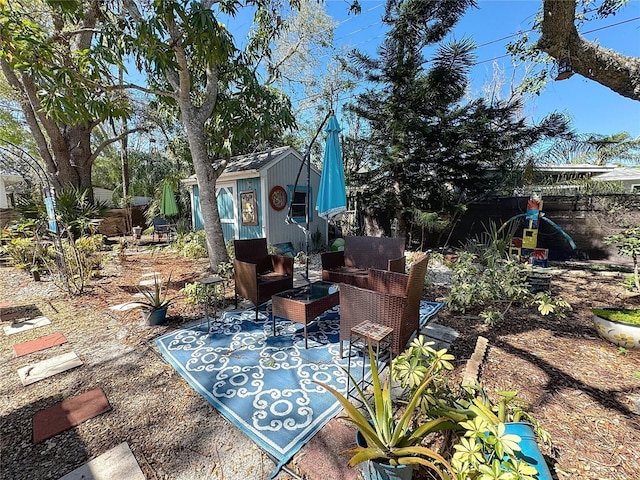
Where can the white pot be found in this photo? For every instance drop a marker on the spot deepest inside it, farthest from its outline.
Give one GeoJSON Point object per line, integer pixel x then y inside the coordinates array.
{"type": "Point", "coordinates": [623, 334]}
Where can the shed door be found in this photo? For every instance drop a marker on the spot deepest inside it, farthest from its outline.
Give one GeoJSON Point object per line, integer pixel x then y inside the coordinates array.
{"type": "Point", "coordinates": [227, 210]}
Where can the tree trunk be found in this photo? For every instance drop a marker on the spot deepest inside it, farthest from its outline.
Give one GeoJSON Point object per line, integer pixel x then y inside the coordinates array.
{"type": "Point", "coordinates": [560, 38]}
{"type": "Point", "coordinates": [207, 176]}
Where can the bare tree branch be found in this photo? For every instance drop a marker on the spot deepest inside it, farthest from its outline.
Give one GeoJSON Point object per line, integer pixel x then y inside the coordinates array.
{"type": "Point", "coordinates": [560, 38]}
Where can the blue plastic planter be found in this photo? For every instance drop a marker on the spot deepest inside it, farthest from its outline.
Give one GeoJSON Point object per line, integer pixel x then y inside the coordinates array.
{"type": "Point", "coordinates": [530, 452]}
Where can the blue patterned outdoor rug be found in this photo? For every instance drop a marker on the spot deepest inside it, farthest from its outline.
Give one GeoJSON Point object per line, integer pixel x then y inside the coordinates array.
{"type": "Point", "coordinates": [428, 310]}
{"type": "Point", "coordinates": [263, 383]}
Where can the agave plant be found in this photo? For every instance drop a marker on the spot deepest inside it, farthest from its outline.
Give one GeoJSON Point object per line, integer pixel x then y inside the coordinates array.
{"type": "Point", "coordinates": [155, 298]}
{"type": "Point", "coordinates": [391, 440]}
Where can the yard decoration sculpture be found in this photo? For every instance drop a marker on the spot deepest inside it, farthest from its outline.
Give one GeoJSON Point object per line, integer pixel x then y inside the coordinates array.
{"type": "Point", "coordinates": [526, 247]}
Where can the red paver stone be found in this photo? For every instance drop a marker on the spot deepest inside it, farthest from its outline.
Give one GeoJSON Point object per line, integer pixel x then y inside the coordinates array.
{"type": "Point", "coordinates": [38, 344]}
{"type": "Point", "coordinates": [68, 413]}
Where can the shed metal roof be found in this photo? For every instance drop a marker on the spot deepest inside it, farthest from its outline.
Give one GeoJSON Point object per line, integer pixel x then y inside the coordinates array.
{"type": "Point", "coordinates": [249, 165]}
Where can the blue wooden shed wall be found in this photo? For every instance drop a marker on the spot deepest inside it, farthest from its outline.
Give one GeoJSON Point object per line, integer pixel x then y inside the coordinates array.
{"type": "Point", "coordinates": [225, 209]}
{"type": "Point", "coordinates": [250, 231]}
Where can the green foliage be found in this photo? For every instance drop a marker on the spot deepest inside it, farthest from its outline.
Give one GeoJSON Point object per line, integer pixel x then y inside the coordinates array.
{"type": "Point", "coordinates": [156, 297]}
{"type": "Point", "coordinates": [193, 293]}
{"type": "Point", "coordinates": [120, 249]}
{"type": "Point", "coordinates": [628, 243]}
{"type": "Point", "coordinates": [225, 270]}
{"type": "Point", "coordinates": [81, 258]}
{"type": "Point", "coordinates": [389, 438]}
{"type": "Point", "coordinates": [482, 449]}
{"type": "Point", "coordinates": [548, 304]}
{"type": "Point", "coordinates": [26, 253]}
{"type": "Point", "coordinates": [493, 290]}
{"type": "Point", "coordinates": [192, 245]}
{"type": "Point", "coordinates": [492, 245]}
{"type": "Point", "coordinates": [624, 315]}
{"type": "Point", "coordinates": [76, 213]}
{"type": "Point", "coordinates": [477, 286]}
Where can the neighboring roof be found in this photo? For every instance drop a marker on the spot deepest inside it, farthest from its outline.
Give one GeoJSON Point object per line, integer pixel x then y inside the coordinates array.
{"type": "Point", "coordinates": [576, 168]}
{"type": "Point", "coordinates": [245, 166]}
{"type": "Point", "coordinates": [619, 174]}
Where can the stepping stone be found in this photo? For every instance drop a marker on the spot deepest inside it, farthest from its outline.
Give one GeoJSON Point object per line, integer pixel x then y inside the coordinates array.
{"type": "Point", "coordinates": [26, 325]}
{"type": "Point", "coordinates": [10, 317]}
{"type": "Point", "coordinates": [146, 283]}
{"type": "Point", "coordinates": [38, 344]}
{"type": "Point", "coordinates": [123, 307]}
{"type": "Point", "coordinates": [152, 274]}
{"type": "Point", "coordinates": [440, 332]}
{"type": "Point", "coordinates": [117, 463]}
{"type": "Point", "coordinates": [68, 413]}
{"type": "Point", "coordinates": [47, 368]}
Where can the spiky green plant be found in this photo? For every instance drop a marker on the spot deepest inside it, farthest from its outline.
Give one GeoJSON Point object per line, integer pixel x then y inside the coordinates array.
{"type": "Point", "coordinates": [388, 439]}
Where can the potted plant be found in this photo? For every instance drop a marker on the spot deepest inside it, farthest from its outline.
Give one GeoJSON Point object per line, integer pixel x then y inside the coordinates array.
{"type": "Point", "coordinates": [620, 326]}
{"type": "Point", "coordinates": [391, 447]}
{"type": "Point", "coordinates": [155, 303]}
{"type": "Point", "coordinates": [491, 440]}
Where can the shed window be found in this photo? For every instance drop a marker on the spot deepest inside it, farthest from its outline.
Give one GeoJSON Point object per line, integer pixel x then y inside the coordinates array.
{"type": "Point", "coordinates": [299, 203]}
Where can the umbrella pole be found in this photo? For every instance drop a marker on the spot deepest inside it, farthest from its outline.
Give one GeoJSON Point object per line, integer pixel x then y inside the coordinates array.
{"type": "Point", "coordinates": [308, 213]}
{"type": "Point", "coordinates": [308, 219]}
{"type": "Point", "coordinates": [307, 158]}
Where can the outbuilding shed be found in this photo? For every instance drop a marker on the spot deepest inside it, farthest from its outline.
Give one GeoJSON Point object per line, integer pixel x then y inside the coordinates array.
{"type": "Point", "coordinates": [254, 194]}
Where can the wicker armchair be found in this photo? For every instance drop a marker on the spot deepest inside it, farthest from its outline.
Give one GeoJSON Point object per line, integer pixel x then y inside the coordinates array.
{"type": "Point", "coordinates": [259, 275]}
{"type": "Point", "coordinates": [392, 299]}
{"type": "Point", "coordinates": [359, 255]}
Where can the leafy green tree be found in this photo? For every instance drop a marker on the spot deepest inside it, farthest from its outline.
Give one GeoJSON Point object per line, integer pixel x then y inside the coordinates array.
{"type": "Point", "coordinates": [431, 151]}
{"type": "Point", "coordinates": [193, 66]}
{"type": "Point", "coordinates": [596, 149]}
{"type": "Point", "coordinates": [61, 77]}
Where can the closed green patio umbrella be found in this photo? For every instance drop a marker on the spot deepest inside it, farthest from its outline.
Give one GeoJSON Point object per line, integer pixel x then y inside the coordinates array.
{"type": "Point", "coordinates": [168, 205]}
{"type": "Point", "coordinates": [332, 196]}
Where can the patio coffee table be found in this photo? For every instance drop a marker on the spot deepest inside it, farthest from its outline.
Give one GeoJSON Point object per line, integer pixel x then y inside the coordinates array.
{"type": "Point", "coordinates": [304, 304]}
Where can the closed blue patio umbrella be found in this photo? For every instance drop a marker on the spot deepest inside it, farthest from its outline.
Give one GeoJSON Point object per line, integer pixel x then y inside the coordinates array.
{"type": "Point", "coordinates": [332, 194]}
{"type": "Point", "coordinates": [168, 205]}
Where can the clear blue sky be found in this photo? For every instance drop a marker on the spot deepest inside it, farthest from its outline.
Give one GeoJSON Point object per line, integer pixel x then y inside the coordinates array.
{"type": "Point", "coordinates": [593, 107]}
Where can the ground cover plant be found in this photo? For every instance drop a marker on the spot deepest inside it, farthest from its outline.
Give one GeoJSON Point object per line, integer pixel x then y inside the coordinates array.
{"type": "Point", "coordinates": [580, 388]}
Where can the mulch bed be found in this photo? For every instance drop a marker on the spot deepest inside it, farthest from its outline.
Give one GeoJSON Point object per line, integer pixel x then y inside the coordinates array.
{"type": "Point", "coordinates": [582, 389]}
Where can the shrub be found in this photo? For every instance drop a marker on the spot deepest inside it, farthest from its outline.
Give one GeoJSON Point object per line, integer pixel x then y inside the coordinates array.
{"type": "Point", "coordinates": [491, 291]}
{"type": "Point", "coordinates": [192, 245]}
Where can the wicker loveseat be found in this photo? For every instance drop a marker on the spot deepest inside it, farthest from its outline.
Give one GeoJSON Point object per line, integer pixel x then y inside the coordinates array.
{"type": "Point", "coordinates": [259, 275]}
{"type": "Point", "coordinates": [392, 299]}
{"type": "Point", "coordinates": [360, 254]}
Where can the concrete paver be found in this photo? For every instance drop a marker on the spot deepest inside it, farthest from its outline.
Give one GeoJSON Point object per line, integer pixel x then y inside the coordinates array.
{"type": "Point", "coordinates": [47, 368]}
{"type": "Point", "coordinates": [117, 463]}
{"type": "Point", "coordinates": [26, 325]}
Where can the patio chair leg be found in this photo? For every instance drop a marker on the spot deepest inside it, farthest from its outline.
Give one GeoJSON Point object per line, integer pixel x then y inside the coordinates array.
{"type": "Point", "coordinates": [236, 301]}
{"type": "Point", "coordinates": [341, 343]}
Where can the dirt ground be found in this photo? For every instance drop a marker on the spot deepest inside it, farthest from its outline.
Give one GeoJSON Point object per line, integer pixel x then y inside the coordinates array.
{"type": "Point", "coordinates": [584, 391]}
